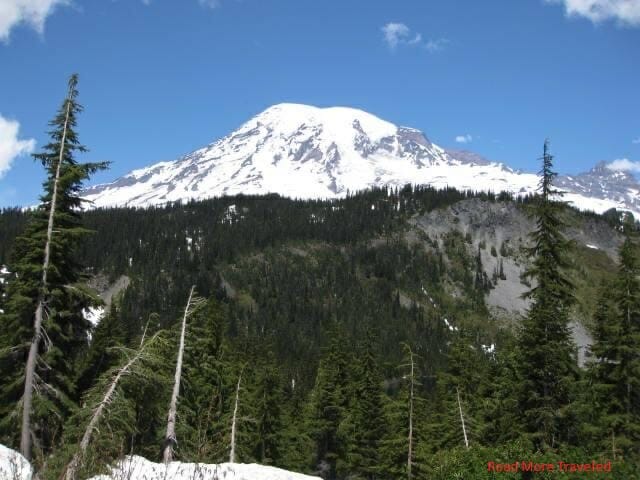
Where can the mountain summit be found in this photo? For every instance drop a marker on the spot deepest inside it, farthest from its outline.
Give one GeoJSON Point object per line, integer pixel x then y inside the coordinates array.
{"type": "Point", "coordinates": [302, 151]}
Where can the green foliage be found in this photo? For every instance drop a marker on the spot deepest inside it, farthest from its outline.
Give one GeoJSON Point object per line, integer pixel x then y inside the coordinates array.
{"type": "Point", "coordinates": [366, 410]}
{"type": "Point", "coordinates": [546, 352]}
{"type": "Point", "coordinates": [466, 369]}
{"type": "Point", "coordinates": [328, 405]}
{"type": "Point", "coordinates": [65, 328]}
{"type": "Point", "coordinates": [614, 372]}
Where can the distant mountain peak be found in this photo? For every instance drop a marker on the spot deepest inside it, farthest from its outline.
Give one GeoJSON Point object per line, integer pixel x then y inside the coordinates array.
{"type": "Point", "coordinates": [302, 151]}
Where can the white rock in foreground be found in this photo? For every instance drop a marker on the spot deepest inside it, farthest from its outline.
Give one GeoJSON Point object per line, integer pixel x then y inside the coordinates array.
{"type": "Point", "coordinates": [138, 468]}
{"type": "Point", "coordinates": [13, 466]}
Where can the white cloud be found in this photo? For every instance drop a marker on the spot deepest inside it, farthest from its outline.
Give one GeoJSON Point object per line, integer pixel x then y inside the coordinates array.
{"type": "Point", "coordinates": [396, 34]}
{"type": "Point", "coordinates": [30, 12]}
{"type": "Point", "coordinates": [209, 3]}
{"type": "Point", "coordinates": [464, 138]}
{"type": "Point", "coordinates": [636, 141]}
{"type": "Point", "coordinates": [624, 164]}
{"type": "Point", "coordinates": [203, 3]}
{"type": "Point", "coordinates": [436, 45]}
{"type": "Point", "coordinates": [10, 146]}
{"type": "Point", "coordinates": [626, 12]}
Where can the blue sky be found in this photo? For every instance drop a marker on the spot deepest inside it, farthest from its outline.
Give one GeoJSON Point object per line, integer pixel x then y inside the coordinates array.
{"type": "Point", "coordinates": [159, 78]}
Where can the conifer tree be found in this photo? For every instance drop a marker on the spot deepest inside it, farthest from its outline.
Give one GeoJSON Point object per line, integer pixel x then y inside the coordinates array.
{"type": "Point", "coordinates": [627, 391]}
{"type": "Point", "coordinates": [367, 410]}
{"type": "Point", "coordinates": [615, 369]}
{"type": "Point", "coordinates": [102, 355]}
{"type": "Point", "coordinates": [45, 302]}
{"type": "Point", "coordinates": [546, 352]}
{"type": "Point", "coordinates": [268, 399]}
{"type": "Point", "coordinates": [459, 418]}
{"type": "Point", "coordinates": [327, 408]}
{"type": "Point", "coordinates": [499, 389]}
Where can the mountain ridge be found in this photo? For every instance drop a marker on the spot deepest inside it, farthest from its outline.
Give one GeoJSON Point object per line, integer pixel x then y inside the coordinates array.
{"type": "Point", "coordinates": [301, 151]}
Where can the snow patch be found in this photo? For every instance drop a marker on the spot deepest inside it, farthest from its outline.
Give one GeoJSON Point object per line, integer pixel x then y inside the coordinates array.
{"type": "Point", "coordinates": [3, 273]}
{"type": "Point", "coordinates": [138, 468]}
{"type": "Point", "coordinates": [93, 314]}
{"type": "Point", "coordinates": [594, 247]}
{"type": "Point", "coordinates": [452, 328]}
{"type": "Point", "coordinates": [489, 348]}
{"type": "Point", "coordinates": [13, 466]}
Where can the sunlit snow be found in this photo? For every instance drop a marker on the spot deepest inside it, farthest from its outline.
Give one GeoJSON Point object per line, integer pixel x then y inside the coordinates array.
{"type": "Point", "coordinates": [138, 468]}
{"type": "Point", "coordinates": [13, 466]}
{"type": "Point", "coordinates": [301, 151]}
{"type": "Point", "coordinates": [93, 314]}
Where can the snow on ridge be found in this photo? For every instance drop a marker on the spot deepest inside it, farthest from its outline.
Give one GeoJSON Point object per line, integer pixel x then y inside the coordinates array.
{"type": "Point", "coordinates": [307, 152]}
{"type": "Point", "coordinates": [138, 468]}
{"type": "Point", "coordinates": [289, 116]}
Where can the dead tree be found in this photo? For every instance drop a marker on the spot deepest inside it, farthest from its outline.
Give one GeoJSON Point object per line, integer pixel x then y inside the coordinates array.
{"type": "Point", "coordinates": [27, 399]}
{"type": "Point", "coordinates": [170, 436]}
{"type": "Point", "coordinates": [412, 383]}
{"type": "Point", "coordinates": [464, 428]}
{"type": "Point", "coordinates": [72, 468]}
{"type": "Point", "coordinates": [234, 421]}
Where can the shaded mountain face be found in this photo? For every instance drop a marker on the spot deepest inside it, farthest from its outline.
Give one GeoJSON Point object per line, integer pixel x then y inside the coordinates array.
{"type": "Point", "coordinates": [301, 151]}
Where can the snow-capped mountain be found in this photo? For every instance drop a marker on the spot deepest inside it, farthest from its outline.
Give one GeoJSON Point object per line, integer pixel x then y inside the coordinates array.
{"type": "Point", "coordinates": [302, 151]}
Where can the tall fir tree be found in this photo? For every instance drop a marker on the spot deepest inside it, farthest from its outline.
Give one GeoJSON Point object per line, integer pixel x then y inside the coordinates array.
{"type": "Point", "coordinates": [366, 413]}
{"type": "Point", "coordinates": [615, 368]}
{"type": "Point", "coordinates": [267, 398]}
{"type": "Point", "coordinates": [328, 407]}
{"type": "Point", "coordinates": [627, 376]}
{"type": "Point", "coordinates": [546, 353]}
{"type": "Point", "coordinates": [44, 345]}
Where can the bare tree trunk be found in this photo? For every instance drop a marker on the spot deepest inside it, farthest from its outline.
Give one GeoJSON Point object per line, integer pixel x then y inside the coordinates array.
{"type": "Point", "coordinates": [27, 399]}
{"type": "Point", "coordinates": [464, 429]}
{"type": "Point", "coordinates": [170, 436]}
{"type": "Point", "coordinates": [72, 467]}
{"type": "Point", "coordinates": [234, 421]}
{"type": "Point", "coordinates": [411, 390]}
